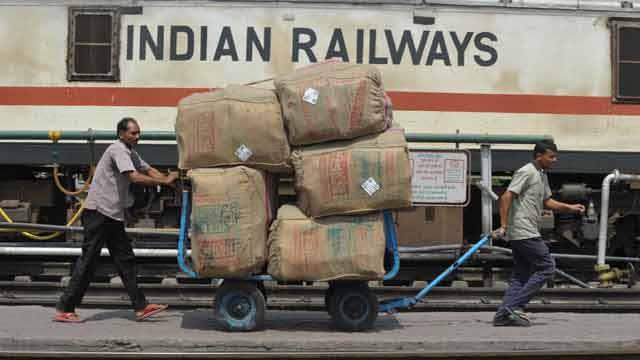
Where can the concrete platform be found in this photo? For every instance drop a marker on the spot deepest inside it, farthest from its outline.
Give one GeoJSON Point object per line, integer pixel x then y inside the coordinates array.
{"type": "Point", "coordinates": [30, 328]}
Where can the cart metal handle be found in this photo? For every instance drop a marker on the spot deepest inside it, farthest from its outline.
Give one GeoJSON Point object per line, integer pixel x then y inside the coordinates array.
{"type": "Point", "coordinates": [403, 303]}
{"type": "Point", "coordinates": [183, 236]}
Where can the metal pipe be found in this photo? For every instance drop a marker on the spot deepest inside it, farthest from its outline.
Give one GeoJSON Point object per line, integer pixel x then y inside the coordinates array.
{"type": "Point", "coordinates": [487, 201]}
{"type": "Point", "coordinates": [573, 279]}
{"type": "Point", "coordinates": [428, 249]}
{"type": "Point", "coordinates": [48, 251]}
{"type": "Point", "coordinates": [509, 251]}
{"type": "Point", "coordinates": [87, 135]}
{"type": "Point", "coordinates": [184, 235]}
{"type": "Point", "coordinates": [487, 189]}
{"type": "Point", "coordinates": [170, 136]}
{"type": "Point", "coordinates": [477, 138]}
{"type": "Point", "coordinates": [604, 216]}
{"type": "Point", "coordinates": [614, 177]}
{"type": "Point", "coordinates": [391, 243]}
{"type": "Point", "coordinates": [77, 229]}
{"type": "Point", "coordinates": [391, 305]}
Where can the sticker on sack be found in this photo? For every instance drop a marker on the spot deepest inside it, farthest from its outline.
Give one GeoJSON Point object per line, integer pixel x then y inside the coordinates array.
{"type": "Point", "coordinates": [243, 152]}
{"type": "Point", "coordinates": [311, 96]}
{"type": "Point", "coordinates": [370, 186]}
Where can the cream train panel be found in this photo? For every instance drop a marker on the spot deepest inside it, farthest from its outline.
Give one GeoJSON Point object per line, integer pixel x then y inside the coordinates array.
{"type": "Point", "coordinates": [484, 70]}
{"type": "Point", "coordinates": [571, 132]}
{"type": "Point", "coordinates": [84, 117]}
{"type": "Point", "coordinates": [518, 52]}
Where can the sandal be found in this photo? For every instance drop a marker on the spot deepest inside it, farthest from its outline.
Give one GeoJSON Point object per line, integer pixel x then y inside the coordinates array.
{"type": "Point", "coordinates": [150, 310]}
{"type": "Point", "coordinates": [68, 317]}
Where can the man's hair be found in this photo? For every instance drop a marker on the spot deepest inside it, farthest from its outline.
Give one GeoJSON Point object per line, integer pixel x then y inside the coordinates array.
{"type": "Point", "coordinates": [542, 147]}
{"type": "Point", "coordinates": [123, 125]}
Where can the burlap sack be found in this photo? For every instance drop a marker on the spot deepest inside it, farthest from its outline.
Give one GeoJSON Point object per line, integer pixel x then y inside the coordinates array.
{"type": "Point", "coordinates": [229, 221]}
{"type": "Point", "coordinates": [239, 125]}
{"type": "Point", "coordinates": [370, 173]}
{"type": "Point", "coordinates": [336, 247]}
{"type": "Point", "coordinates": [333, 101]}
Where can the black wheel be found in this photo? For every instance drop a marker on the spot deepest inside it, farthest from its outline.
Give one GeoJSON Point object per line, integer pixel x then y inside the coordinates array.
{"type": "Point", "coordinates": [239, 306]}
{"type": "Point", "coordinates": [353, 307]}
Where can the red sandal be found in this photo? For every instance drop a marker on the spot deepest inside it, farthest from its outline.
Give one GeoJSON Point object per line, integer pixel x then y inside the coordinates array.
{"type": "Point", "coordinates": [67, 317]}
{"type": "Point", "coordinates": [149, 311]}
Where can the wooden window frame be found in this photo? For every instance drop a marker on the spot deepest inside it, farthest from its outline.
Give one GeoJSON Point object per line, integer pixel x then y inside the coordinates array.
{"type": "Point", "coordinates": [114, 73]}
{"type": "Point", "coordinates": [615, 24]}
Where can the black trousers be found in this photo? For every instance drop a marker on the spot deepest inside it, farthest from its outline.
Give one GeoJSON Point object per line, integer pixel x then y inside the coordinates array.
{"type": "Point", "coordinates": [533, 267]}
{"type": "Point", "coordinates": [100, 230]}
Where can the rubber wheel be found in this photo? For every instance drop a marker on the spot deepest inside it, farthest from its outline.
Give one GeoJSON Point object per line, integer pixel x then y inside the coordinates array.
{"type": "Point", "coordinates": [353, 307]}
{"type": "Point", "coordinates": [239, 306]}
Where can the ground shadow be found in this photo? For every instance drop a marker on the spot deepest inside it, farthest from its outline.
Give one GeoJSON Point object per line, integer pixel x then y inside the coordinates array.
{"type": "Point", "coordinates": [284, 321]}
{"type": "Point", "coordinates": [128, 315]}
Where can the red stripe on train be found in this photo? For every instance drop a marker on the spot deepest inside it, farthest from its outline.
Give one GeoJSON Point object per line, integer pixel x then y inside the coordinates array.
{"type": "Point", "coordinates": [402, 100]}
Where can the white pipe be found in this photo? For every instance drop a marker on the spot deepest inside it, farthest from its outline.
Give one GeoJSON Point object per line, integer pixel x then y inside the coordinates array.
{"type": "Point", "coordinates": [48, 251]}
{"type": "Point", "coordinates": [487, 202]}
{"type": "Point", "coordinates": [487, 189]}
{"type": "Point", "coordinates": [604, 216]}
{"type": "Point", "coordinates": [615, 176]}
{"type": "Point", "coordinates": [134, 231]}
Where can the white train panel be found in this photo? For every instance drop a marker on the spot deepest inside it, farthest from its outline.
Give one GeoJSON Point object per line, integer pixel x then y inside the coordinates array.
{"type": "Point", "coordinates": [483, 70]}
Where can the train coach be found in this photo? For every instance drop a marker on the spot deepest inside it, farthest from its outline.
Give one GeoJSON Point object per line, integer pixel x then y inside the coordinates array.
{"type": "Point", "coordinates": [565, 68]}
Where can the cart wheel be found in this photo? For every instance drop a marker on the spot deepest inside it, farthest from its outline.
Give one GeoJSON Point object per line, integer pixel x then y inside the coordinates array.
{"type": "Point", "coordinates": [239, 306]}
{"type": "Point", "coordinates": [353, 307]}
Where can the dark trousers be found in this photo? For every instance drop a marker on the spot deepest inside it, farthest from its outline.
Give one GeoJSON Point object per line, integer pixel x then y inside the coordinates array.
{"type": "Point", "coordinates": [100, 230]}
{"type": "Point", "coordinates": [533, 266]}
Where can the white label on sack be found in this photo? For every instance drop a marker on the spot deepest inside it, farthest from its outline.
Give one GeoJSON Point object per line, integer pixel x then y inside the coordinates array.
{"type": "Point", "coordinates": [243, 152]}
{"type": "Point", "coordinates": [311, 96]}
{"type": "Point", "coordinates": [370, 186]}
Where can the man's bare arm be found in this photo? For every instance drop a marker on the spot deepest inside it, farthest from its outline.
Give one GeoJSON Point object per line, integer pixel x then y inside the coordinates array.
{"type": "Point", "coordinates": [155, 173]}
{"type": "Point", "coordinates": [563, 207]}
{"type": "Point", "coordinates": [149, 180]}
{"type": "Point", "coordinates": [505, 204]}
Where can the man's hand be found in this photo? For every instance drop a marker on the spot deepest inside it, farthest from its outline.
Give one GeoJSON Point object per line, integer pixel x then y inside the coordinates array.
{"type": "Point", "coordinates": [577, 208]}
{"type": "Point", "coordinates": [499, 233]}
{"type": "Point", "coordinates": [171, 179]}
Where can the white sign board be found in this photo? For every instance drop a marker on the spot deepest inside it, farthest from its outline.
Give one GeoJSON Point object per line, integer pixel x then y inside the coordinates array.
{"type": "Point", "coordinates": [440, 177]}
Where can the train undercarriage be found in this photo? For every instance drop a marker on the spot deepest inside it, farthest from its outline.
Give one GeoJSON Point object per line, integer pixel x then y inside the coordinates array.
{"type": "Point", "coordinates": [29, 194]}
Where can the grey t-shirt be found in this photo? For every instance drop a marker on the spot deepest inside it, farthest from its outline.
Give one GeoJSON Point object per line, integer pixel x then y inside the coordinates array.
{"type": "Point", "coordinates": [109, 192]}
{"type": "Point", "coordinates": [532, 187]}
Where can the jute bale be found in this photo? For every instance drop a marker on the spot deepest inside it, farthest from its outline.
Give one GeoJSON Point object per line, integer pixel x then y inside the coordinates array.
{"type": "Point", "coordinates": [336, 247]}
{"type": "Point", "coordinates": [229, 221]}
{"type": "Point", "coordinates": [238, 125]}
{"type": "Point", "coordinates": [333, 101]}
{"type": "Point", "coordinates": [371, 173]}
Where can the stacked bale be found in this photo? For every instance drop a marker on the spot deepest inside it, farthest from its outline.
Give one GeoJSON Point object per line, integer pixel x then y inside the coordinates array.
{"type": "Point", "coordinates": [330, 248]}
{"type": "Point", "coordinates": [235, 129]}
{"type": "Point", "coordinates": [229, 221]}
{"type": "Point", "coordinates": [365, 174]}
{"type": "Point", "coordinates": [333, 101]}
{"type": "Point", "coordinates": [239, 125]}
{"type": "Point", "coordinates": [351, 164]}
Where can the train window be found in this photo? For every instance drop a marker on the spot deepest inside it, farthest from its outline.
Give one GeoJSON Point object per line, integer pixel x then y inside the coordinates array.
{"type": "Point", "coordinates": [625, 35]}
{"type": "Point", "coordinates": [93, 44]}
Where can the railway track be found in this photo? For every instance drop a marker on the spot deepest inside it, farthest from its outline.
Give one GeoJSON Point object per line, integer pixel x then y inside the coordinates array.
{"type": "Point", "coordinates": [538, 355]}
{"type": "Point", "coordinates": [298, 297]}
